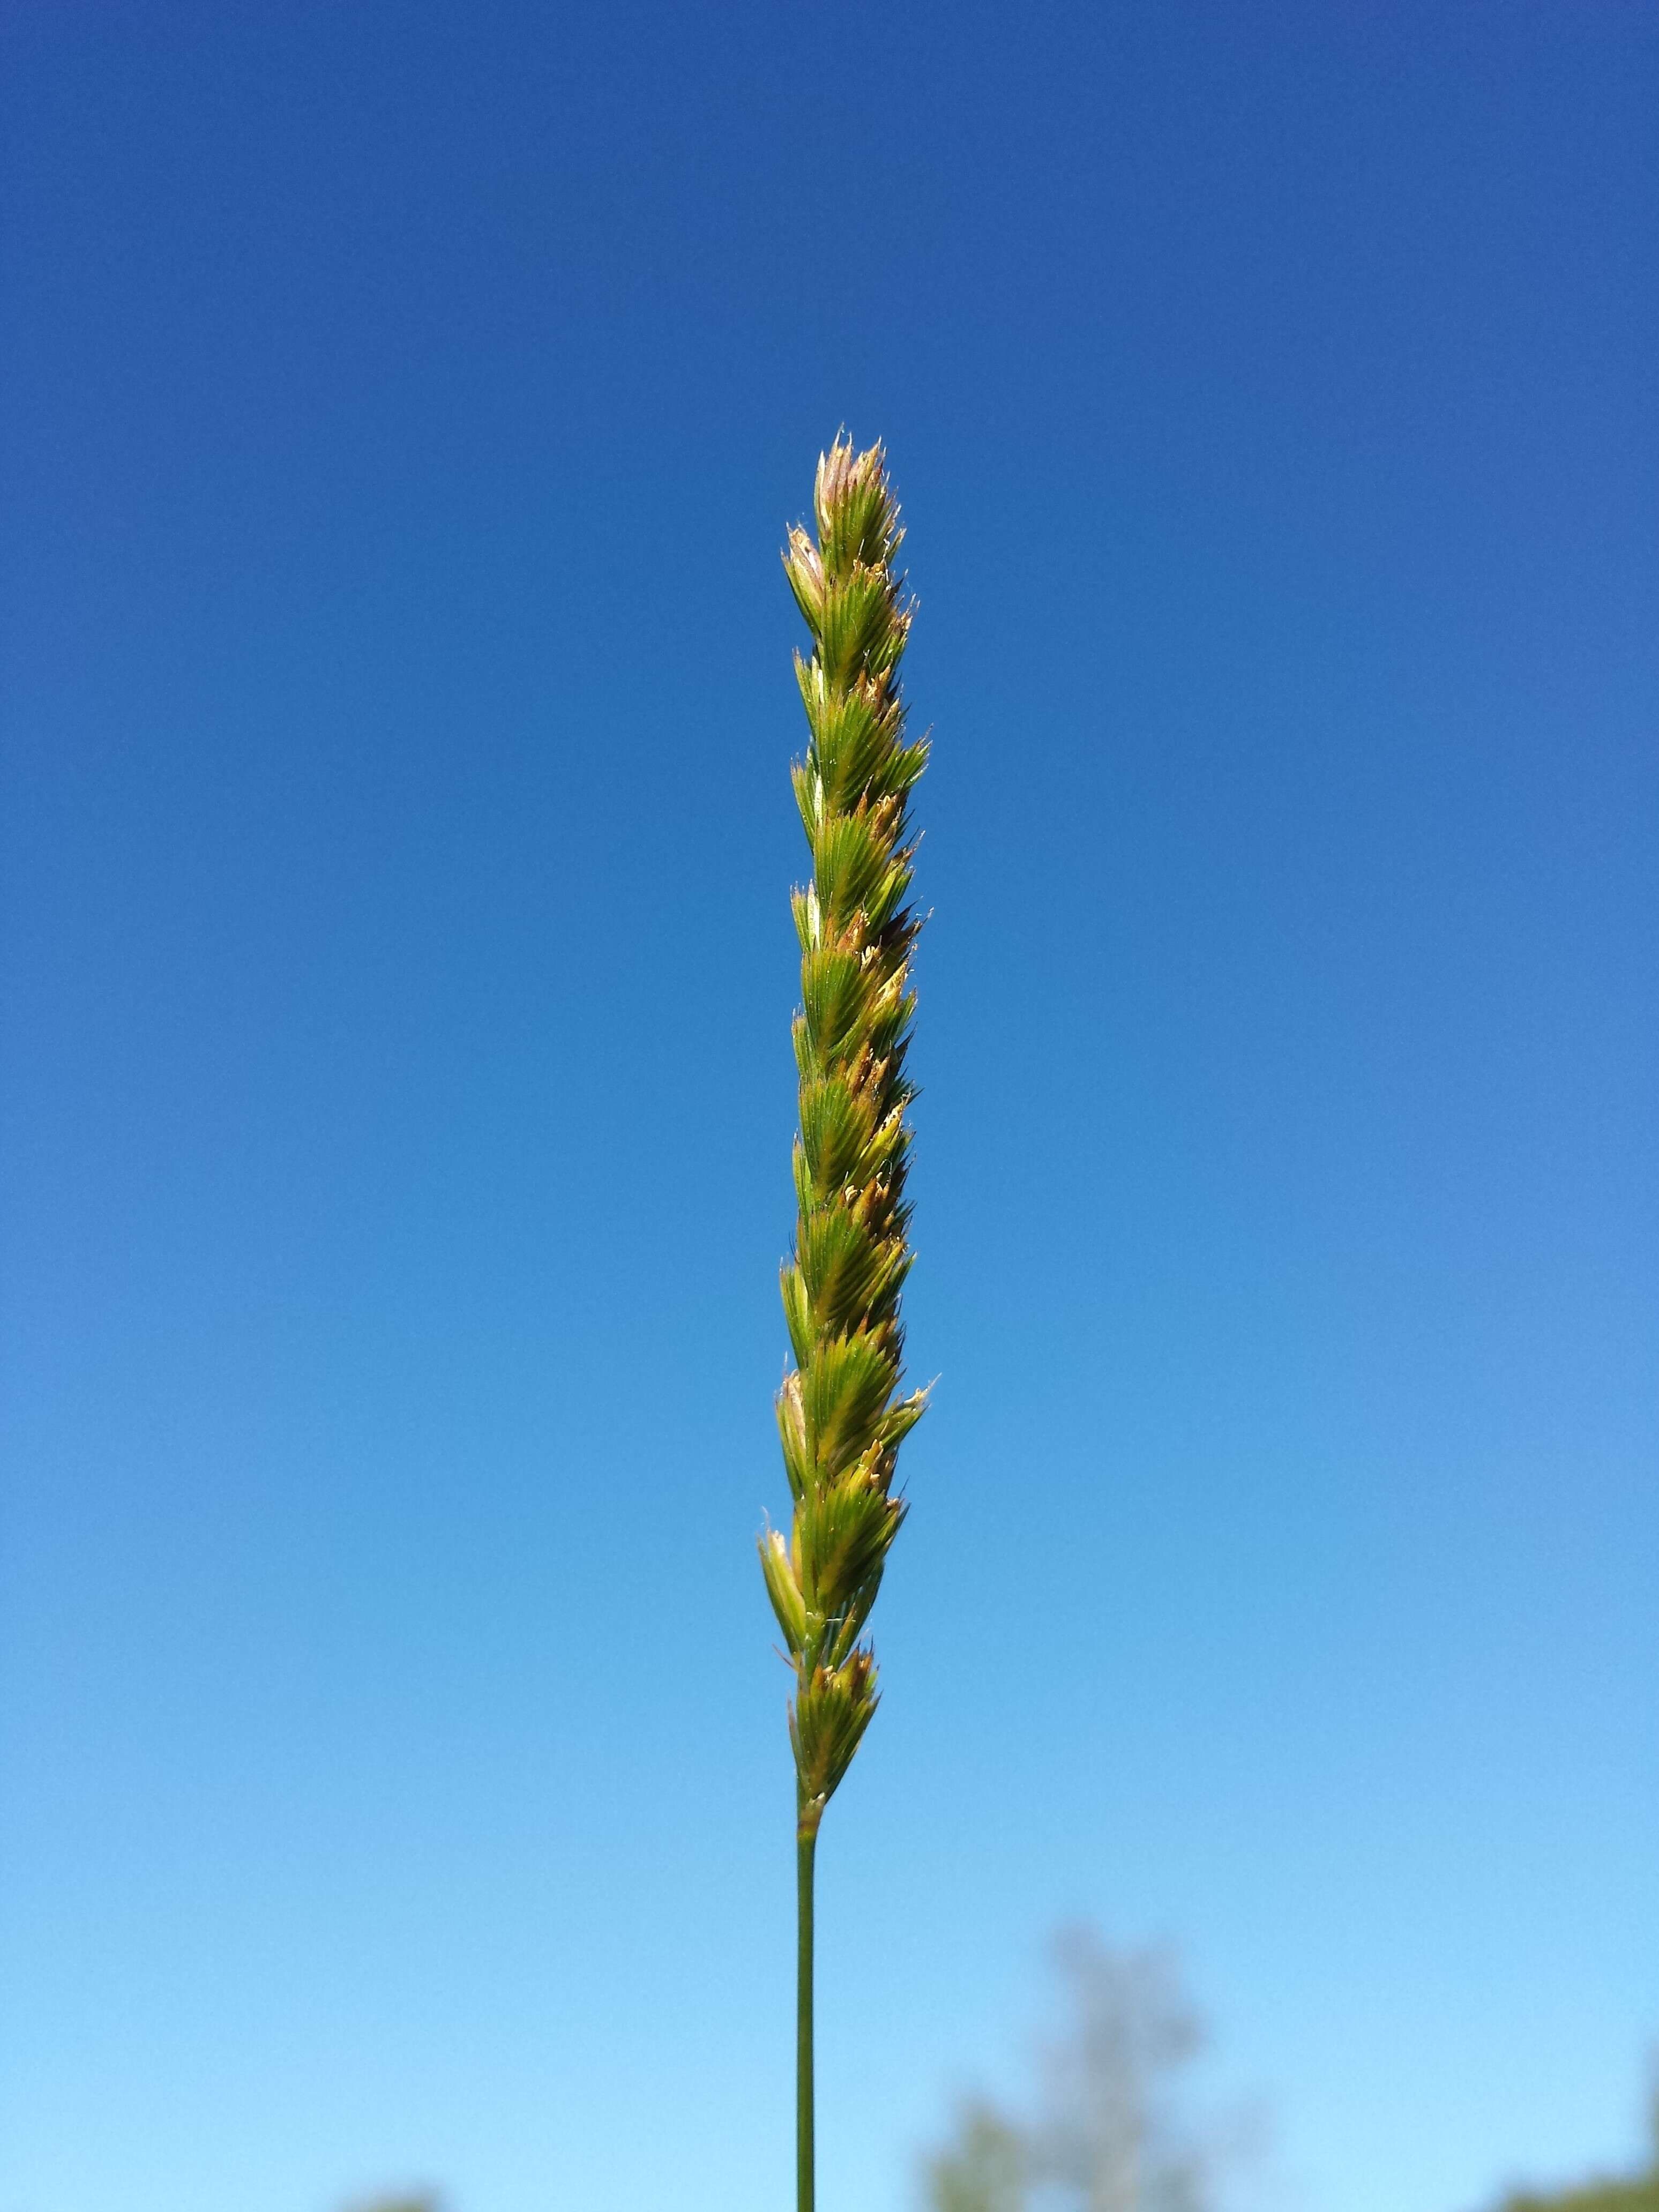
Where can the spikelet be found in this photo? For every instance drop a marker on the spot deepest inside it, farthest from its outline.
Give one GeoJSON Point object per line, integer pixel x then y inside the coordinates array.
{"type": "Point", "coordinates": [842, 1412]}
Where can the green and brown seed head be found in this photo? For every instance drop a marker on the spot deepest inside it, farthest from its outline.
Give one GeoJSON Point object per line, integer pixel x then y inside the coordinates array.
{"type": "Point", "coordinates": [841, 1414]}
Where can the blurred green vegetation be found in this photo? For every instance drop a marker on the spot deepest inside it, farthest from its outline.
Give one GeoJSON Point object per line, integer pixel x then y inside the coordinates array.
{"type": "Point", "coordinates": [1109, 2131]}
{"type": "Point", "coordinates": [1634, 2192]}
{"type": "Point", "coordinates": [984, 2170]}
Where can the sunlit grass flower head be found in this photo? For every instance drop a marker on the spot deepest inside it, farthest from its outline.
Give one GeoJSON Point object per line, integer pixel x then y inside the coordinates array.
{"type": "Point", "coordinates": [843, 1411]}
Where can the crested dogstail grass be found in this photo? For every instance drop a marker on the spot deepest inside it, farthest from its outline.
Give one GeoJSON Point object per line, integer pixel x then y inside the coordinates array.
{"type": "Point", "coordinates": [843, 1412]}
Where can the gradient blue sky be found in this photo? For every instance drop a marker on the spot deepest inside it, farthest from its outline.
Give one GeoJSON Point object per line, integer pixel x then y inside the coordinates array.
{"type": "Point", "coordinates": [404, 406]}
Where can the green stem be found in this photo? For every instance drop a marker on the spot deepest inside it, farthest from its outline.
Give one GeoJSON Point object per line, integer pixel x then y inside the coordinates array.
{"type": "Point", "coordinates": [805, 1846]}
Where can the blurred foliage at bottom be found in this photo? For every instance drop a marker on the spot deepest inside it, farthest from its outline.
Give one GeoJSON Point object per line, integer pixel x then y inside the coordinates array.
{"type": "Point", "coordinates": [1635, 2192]}
{"type": "Point", "coordinates": [1110, 2130]}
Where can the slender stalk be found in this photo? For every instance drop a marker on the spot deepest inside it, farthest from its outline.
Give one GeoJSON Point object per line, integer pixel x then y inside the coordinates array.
{"type": "Point", "coordinates": [805, 2181]}
{"type": "Point", "coordinates": [842, 1412]}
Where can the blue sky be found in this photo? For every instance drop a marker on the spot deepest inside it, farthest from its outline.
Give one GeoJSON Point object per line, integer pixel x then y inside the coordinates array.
{"type": "Point", "coordinates": [404, 408]}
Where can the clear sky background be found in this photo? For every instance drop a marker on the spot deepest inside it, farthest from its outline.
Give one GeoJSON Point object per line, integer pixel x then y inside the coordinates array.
{"type": "Point", "coordinates": [404, 405]}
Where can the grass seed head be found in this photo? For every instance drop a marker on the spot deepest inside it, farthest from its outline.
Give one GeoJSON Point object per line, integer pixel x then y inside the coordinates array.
{"type": "Point", "coordinates": [842, 1410]}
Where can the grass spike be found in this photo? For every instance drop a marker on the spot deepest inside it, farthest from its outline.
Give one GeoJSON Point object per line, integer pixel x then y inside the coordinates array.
{"type": "Point", "coordinates": [842, 1410]}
